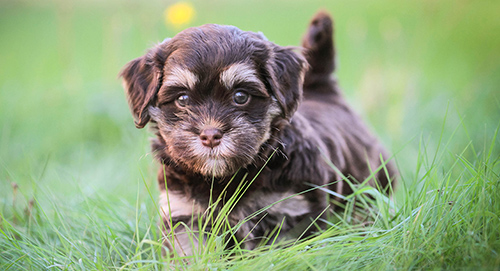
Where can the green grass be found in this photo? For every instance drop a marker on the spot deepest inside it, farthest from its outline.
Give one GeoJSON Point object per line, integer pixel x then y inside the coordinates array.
{"type": "Point", "coordinates": [78, 185]}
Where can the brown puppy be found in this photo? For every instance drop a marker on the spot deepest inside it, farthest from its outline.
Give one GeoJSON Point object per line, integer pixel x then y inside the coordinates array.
{"type": "Point", "coordinates": [225, 104]}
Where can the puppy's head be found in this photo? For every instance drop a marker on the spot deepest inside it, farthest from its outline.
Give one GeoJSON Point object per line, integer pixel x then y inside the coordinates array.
{"type": "Point", "coordinates": [214, 92]}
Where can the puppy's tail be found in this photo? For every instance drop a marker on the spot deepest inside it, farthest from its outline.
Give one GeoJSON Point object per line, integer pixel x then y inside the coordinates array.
{"type": "Point", "coordinates": [319, 49]}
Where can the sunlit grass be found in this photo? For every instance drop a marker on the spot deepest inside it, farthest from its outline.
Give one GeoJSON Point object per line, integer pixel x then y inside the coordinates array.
{"type": "Point", "coordinates": [448, 219]}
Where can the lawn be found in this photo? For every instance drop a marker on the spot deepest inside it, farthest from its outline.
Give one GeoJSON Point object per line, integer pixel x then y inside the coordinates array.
{"type": "Point", "coordinates": [77, 180]}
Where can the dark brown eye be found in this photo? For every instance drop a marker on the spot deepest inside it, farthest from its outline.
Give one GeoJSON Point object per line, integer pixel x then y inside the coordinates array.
{"type": "Point", "coordinates": [241, 98]}
{"type": "Point", "coordinates": [182, 100]}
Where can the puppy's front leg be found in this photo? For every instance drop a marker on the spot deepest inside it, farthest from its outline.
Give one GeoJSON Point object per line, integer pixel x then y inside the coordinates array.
{"type": "Point", "coordinates": [180, 217]}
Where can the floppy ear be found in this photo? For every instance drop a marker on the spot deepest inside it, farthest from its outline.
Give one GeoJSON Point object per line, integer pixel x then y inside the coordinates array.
{"type": "Point", "coordinates": [142, 78]}
{"type": "Point", "coordinates": [286, 77]}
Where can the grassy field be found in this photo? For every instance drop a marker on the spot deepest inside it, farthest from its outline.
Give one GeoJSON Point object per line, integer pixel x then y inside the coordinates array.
{"type": "Point", "coordinates": [77, 181]}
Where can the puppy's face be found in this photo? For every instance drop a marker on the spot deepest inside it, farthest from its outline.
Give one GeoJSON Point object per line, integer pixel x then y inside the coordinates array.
{"type": "Point", "coordinates": [213, 121]}
{"type": "Point", "coordinates": [214, 93]}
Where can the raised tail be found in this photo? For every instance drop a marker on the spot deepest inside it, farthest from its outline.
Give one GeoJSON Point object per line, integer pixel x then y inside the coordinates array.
{"type": "Point", "coordinates": [319, 49]}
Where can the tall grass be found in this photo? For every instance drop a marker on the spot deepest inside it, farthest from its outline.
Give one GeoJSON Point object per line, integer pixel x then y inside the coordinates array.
{"type": "Point", "coordinates": [448, 219]}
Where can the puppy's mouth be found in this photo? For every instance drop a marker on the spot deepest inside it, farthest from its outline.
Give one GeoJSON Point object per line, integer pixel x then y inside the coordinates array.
{"type": "Point", "coordinates": [214, 152]}
{"type": "Point", "coordinates": [213, 148]}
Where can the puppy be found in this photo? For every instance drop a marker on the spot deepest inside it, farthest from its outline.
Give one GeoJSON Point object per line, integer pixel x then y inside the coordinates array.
{"type": "Point", "coordinates": [231, 109]}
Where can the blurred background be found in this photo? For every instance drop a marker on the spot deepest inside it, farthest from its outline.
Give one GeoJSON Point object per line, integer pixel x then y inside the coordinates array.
{"type": "Point", "coordinates": [424, 74]}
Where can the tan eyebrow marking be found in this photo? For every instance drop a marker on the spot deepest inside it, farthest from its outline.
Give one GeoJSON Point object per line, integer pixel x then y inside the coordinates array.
{"type": "Point", "coordinates": [181, 77]}
{"type": "Point", "coordinates": [239, 73]}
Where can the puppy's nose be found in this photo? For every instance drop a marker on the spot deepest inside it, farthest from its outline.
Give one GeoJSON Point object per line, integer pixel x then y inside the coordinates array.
{"type": "Point", "coordinates": [211, 137]}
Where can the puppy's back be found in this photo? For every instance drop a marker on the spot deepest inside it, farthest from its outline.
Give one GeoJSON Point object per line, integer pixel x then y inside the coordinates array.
{"type": "Point", "coordinates": [360, 150]}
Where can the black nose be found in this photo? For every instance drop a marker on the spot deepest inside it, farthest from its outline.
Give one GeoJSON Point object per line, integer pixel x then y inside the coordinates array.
{"type": "Point", "coordinates": [211, 137]}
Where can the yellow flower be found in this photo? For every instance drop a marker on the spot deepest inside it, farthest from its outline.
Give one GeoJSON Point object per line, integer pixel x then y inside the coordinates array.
{"type": "Point", "coordinates": [179, 14]}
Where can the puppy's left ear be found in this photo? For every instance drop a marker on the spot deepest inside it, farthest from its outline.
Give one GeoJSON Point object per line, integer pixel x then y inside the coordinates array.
{"type": "Point", "coordinates": [142, 78]}
{"type": "Point", "coordinates": [287, 69]}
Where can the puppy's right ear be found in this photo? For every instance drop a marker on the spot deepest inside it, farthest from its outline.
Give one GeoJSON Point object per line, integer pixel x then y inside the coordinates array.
{"type": "Point", "coordinates": [142, 78]}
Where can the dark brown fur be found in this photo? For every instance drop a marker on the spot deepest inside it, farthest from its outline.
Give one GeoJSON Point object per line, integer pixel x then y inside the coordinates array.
{"type": "Point", "coordinates": [286, 131]}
